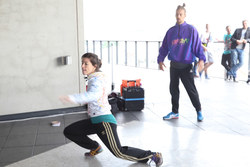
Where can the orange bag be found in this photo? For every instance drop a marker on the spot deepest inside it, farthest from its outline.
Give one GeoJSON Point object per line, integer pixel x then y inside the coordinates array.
{"type": "Point", "coordinates": [130, 83]}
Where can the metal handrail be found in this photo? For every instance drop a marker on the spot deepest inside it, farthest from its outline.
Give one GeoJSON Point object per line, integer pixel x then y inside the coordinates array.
{"type": "Point", "coordinates": [147, 59]}
{"type": "Point", "coordinates": [143, 54]}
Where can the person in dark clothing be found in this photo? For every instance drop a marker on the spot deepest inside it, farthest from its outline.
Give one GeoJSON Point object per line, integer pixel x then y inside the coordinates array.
{"type": "Point", "coordinates": [182, 45]}
{"type": "Point", "coordinates": [226, 56]}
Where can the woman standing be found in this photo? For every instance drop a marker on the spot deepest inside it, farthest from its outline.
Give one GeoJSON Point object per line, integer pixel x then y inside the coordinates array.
{"type": "Point", "coordinates": [101, 121]}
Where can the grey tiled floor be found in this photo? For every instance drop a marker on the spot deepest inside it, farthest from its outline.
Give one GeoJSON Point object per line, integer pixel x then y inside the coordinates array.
{"type": "Point", "coordinates": [183, 142]}
{"type": "Point", "coordinates": [25, 138]}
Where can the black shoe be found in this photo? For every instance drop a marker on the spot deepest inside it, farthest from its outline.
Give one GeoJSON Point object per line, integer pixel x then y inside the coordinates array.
{"type": "Point", "coordinates": [227, 77]}
{"type": "Point", "coordinates": [234, 79]}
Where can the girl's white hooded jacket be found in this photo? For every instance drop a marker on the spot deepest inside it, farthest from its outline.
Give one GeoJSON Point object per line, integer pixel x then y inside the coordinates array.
{"type": "Point", "coordinates": [96, 95]}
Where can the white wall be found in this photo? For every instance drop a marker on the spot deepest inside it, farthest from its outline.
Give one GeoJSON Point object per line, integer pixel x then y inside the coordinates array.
{"type": "Point", "coordinates": [33, 35]}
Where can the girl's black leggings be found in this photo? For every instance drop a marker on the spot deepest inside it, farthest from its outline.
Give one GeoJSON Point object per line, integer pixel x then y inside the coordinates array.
{"type": "Point", "coordinates": [78, 132]}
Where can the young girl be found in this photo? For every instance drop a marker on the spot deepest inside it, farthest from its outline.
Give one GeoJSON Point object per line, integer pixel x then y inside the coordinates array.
{"type": "Point", "coordinates": [101, 121]}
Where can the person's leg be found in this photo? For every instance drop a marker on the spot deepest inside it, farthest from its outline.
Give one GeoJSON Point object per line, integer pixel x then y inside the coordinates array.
{"type": "Point", "coordinates": [206, 68]}
{"type": "Point", "coordinates": [108, 134]}
{"type": "Point", "coordinates": [228, 60]}
{"type": "Point", "coordinates": [240, 60]}
{"type": "Point", "coordinates": [237, 61]}
{"type": "Point", "coordinates": [174, 89]}
{"type": "Point", "coordinates": [234, 59]}
{"type": "Point", "coordinates": [78, 131]}
{"type": "Point", "coordinates": [225, 61]}
{"type": "Point", "coordinates": [224, 64]}
{"type": "Point", "coordinates": [190, 87]}
{"type": "Point", "coordinates": [207, 65]}
{"type": "Point", "coordinates": [195, 68]}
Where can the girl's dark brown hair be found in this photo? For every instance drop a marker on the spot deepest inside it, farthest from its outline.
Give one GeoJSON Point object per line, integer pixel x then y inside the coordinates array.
{"type": "Point", "coordinates": [95, 61]}
{"type": "Point", "coordinates": [181, 7]}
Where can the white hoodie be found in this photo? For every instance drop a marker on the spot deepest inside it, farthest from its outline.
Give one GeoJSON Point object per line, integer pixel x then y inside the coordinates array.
{"type": "Point", "coordinates": [96, 95]}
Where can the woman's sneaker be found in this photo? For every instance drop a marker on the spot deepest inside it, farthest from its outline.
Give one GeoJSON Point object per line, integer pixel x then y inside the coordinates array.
{"type": "Point", "coordinates": [157, 158]}
{"type": "Point", "coordinates": [94, 152]}
{"type": "Point", "coordinates": [171, 115]}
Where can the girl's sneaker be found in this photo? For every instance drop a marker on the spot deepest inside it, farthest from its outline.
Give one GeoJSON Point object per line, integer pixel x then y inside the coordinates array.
{"type": "Point", "coordinates": [94, 152]}
{"type": "Point", "coordinates": [157, 158]}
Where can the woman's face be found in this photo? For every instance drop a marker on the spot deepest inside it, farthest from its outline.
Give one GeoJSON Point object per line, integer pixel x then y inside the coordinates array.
{"type": "Point", "coordinates": [180, 16]}
{"type": "Point", "coordinates": [87, 67]}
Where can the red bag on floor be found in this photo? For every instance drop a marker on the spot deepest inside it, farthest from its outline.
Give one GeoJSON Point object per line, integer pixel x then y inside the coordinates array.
{"type": "Point", "coordinates": [130, 83]}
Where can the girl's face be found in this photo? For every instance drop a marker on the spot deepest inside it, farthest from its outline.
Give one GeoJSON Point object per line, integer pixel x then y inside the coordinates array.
{"type": "Point", "coordinates": [180, 16]}
{"type": "Point", "coordinates": [87, 67]}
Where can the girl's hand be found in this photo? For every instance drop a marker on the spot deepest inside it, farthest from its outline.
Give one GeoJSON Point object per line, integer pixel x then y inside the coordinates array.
{"type": "Point", "coordinates": [65, 99]}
